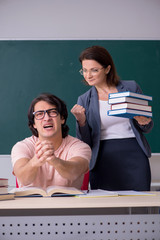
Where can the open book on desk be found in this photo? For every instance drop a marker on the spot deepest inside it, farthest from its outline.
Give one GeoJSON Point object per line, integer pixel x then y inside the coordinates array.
{"type": "Point", "coordinates": [104, 193]}
{"type": "Point", "coordinates": [8, 196]}
{"type": "Point", "coordinates": [51, 191]}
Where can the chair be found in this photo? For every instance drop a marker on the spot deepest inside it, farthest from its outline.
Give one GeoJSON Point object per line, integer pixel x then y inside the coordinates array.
{"type": "Point", "coordinates": [17, 186]}
{"type": "Point", "coordinates": [85, 182]}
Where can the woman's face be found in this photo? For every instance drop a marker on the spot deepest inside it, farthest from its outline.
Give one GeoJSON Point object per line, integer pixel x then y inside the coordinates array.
{"type": "Point", "coordinates": [94, 73]}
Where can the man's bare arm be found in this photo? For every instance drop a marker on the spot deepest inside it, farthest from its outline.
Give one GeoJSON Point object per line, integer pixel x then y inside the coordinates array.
{"type": "Point", "coordinates": [72, 168]}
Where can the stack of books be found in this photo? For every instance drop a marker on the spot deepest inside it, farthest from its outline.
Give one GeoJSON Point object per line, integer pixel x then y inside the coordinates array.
{"type": "Point", "coordinates": [129, 104]}
{"type": "Point", "coordinates": [4, 194]}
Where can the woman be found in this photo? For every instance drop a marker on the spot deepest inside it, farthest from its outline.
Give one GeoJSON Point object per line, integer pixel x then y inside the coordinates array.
{"type": "Point", "coordinates": [119, 149]}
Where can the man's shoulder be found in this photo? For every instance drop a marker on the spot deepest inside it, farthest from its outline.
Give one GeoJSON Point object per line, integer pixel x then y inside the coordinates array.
{"type": "Point", "coordinates": [27, 141]}
{"type": "Point", "coordinates": [23, 149]}
{"type": "Point", "coordinates": [75, 147]}
{"type": "Point", "coordinates": [70, 140]}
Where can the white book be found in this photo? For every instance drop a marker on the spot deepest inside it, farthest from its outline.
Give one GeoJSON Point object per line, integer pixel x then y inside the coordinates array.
{"type": "Point", "coordinates": [98, 193]}
{"type": "Point", "coordinates": [128, 113]}
{"type": "Point", "coordinates": [128, 100]}
{"type": "Point", "coordinates": [130, 94]}
{"type": "Point", "coordinates": [135, 193]}
{"type": "Point", "coordinates": [131, 106]}
{"type": "Point", "coordinates": [105, 193]}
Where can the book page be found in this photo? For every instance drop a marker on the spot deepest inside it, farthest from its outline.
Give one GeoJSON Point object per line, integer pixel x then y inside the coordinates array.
{"type": "Point", "coordinates": [62, 190]}
{"type": "Point", "coordinates": [134, 193]}
{"type": "Point", "coordinates": [99, 193]}
{"type": "Point", "coordinates": [50, 191]}
{"type": "Point", "coordinates": [28, 191]}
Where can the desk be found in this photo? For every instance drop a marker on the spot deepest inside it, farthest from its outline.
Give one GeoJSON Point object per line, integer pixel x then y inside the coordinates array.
{"type": "Point", "coordinates": [106, 218]}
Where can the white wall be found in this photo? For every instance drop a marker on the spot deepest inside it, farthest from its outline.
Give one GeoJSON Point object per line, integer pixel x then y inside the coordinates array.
{"type": "Point", "coordinates": [6, 169]}
{"type": "Point", "coordinates": [80, 19]}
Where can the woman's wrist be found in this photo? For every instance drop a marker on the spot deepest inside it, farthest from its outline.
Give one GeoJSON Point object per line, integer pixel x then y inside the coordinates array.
{"type": "Point", "coordinates": [81, 123]}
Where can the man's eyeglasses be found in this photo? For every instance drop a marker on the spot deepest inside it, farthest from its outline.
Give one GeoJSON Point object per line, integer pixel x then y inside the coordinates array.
{"type": "Point", "coordinates": [52, 112]}
{"type": "Point", "coordinates": [93, 71]}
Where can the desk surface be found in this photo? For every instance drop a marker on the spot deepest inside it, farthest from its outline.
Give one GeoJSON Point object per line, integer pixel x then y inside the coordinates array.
{"type": "Point", "coordinates": [127, 217]}
{"type": "Point", "coordinates": [78, 202]}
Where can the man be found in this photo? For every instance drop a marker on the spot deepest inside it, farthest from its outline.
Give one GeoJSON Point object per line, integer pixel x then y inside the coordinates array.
{"type": "Point", "coordinates": [50, 156]}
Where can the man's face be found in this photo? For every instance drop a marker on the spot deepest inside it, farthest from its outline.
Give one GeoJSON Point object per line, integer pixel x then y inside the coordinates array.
{"type": "Point", "coordinates": [48, 127]}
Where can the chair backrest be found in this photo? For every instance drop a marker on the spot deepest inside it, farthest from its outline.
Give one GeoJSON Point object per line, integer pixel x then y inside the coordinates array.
{"type": "Point", "coordinates": [17, 186]}
{"type": "Point", "coordinates": [85, 182]}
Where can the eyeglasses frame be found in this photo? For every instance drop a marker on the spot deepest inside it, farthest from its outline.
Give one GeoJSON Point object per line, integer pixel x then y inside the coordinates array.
{"type": "Point", "coordinates": [46, 111]}
{"type": "Point", "coordinates": [98, 70]}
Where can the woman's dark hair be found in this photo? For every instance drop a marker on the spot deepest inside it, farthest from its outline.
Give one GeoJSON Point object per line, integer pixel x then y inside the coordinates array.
{"type": "Point", "coordinates": [102, 56]}
{"type": "Point", "coordinates": [60, 107]}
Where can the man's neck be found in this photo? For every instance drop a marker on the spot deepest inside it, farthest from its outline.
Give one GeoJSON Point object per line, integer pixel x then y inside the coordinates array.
{"type": "Point", "coordinates": [55, 141]}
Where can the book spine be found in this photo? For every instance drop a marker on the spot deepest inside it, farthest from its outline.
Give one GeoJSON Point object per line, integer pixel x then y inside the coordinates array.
{"type": "Point", "coordinates": [131, 106]}
{"type": "Point", "coordinates": [127, 100]}
{"type": "Point", "coordinates": [130, 94]}
{"type": "Point", "coordinates": [129, 114]}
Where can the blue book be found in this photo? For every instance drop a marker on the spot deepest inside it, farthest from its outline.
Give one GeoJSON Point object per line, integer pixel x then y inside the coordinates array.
{"type": "Point", "coordinates": [128, 113]}
{"type": "Point", "coordinates": [130, 94]}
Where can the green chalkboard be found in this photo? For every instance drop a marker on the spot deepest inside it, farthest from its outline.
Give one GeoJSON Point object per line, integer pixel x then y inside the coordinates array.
{"type": "Point", "coordinates": [28, 68]}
